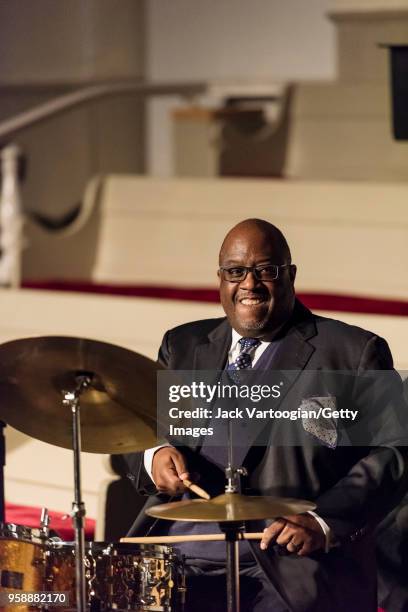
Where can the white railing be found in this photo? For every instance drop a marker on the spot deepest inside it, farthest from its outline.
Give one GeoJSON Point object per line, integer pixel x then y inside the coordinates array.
{"type": "Point", "coordinates": [11, 219]}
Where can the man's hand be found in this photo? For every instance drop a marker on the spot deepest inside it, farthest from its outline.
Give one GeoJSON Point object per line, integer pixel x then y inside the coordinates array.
{"type": "Point", "coordinates": [300, 533]}
{"type": "Point", "coordinates": [169, 470]}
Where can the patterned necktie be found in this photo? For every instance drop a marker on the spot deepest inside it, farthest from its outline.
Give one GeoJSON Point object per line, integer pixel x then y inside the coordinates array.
{"type": "Point", "coordinates": [244, 361]}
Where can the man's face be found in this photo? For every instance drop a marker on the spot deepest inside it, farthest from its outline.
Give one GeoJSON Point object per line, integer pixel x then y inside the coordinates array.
{"type": "Point", "coordinates": [253, 307]}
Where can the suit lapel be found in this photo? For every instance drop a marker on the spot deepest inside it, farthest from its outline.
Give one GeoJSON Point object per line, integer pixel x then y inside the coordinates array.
{"type": "Point", "coordinates": [212, 353]}
{"type": "Point", "coordinates": [295, 350]}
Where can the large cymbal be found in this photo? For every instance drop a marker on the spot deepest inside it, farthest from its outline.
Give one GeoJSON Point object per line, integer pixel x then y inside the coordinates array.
{"type": "Point", "coordinates": [118, 411]}
{"type": "Point", "coordinates": [230, 507]}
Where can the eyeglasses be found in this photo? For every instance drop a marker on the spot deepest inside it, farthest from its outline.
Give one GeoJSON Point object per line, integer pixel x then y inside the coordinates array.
{"type": "Point", "coordinates": [236, 274]}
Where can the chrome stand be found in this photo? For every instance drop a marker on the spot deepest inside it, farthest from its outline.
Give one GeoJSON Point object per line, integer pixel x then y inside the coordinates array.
{"type": "Point", "coordinates": [44, 524]}
{"type": "Point", "coordinates": [71, 399]}
{"type": "Point", "coordinates": [232, 530]}
{"type": "Point", "coordinates": [2, 464]}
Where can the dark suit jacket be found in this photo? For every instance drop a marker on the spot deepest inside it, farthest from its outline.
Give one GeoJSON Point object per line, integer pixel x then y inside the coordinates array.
{"type": "Point", "coordinates": [353, 487]}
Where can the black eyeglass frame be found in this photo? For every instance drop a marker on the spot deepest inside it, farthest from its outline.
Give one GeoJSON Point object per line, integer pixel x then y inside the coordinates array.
{"type": "Point", "coordinates": [254, 269]}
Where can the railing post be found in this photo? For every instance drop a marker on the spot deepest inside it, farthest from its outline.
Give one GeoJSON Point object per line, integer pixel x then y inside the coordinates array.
{"type": "Point", "coordinates": [11, 218]}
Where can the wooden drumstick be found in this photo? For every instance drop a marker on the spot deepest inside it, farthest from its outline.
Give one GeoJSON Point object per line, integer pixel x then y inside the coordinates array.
{"type": "Point", "coordinates": [196, 489]}
{"type": "Point", "coordinates": [208, 537]}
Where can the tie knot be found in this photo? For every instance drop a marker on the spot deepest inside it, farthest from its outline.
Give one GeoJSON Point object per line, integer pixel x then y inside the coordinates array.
{"type": "Point", "coordinates": [249, 344]}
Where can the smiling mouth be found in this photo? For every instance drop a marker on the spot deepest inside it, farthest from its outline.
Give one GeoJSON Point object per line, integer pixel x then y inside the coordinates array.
{"type": "Point", "coordinates": [252, 301]}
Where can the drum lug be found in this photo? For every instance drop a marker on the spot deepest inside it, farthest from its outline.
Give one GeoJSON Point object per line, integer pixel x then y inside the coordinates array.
{"type": "Point", "coordinates": [38, 562]}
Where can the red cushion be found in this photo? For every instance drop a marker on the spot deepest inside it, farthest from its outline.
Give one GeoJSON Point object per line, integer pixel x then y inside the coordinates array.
{"type": "Point", "coordinates": [319, 301]}
{"type": "Point", "coordinates": [30, 517]}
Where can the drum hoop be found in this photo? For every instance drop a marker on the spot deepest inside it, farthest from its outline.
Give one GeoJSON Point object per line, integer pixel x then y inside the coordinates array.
{"type": "Point", "coordinates": [148, 551]}
{"type": "Point", "coordinates": [20, 533]}
{"type": "Point", "coordinates": [158, 551]}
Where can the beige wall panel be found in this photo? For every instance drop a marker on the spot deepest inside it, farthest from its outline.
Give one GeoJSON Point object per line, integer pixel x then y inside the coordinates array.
{"type": "Point", "coordinates": [331, 149]}
{"type": "Point", "coordinates": [343, 131]}
{"type": "Point", "coordinates": [341, 100]}
{"type": "Point", "coordinates": [196, 146]}
{"type": "Point", "coordinates": [360, 31]}
{"type": "Point", "coordinates": [169, 232]}
{"type": "Point", "coordinates": [326, 255]}
{"type": "Point", "coordinates": [368, 5]}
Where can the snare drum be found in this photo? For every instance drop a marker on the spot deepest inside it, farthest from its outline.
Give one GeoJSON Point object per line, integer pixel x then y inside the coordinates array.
{"type": "Point", "coordinates": [118, 576]}
{"type": "Point", "coordinates": [22, 556]}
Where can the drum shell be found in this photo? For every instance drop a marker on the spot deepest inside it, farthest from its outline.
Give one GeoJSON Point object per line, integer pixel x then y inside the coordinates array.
{"type": "Point", "coordinates": [118, 576]}
{"type": "Point", "coordinates": [22, 562]}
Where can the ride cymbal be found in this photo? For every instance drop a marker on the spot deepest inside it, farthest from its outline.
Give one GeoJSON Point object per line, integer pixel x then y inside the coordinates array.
{"type": "Point", "coordinates": [118, 409]}
{"type": "Point", "coordinates": [230, 507]}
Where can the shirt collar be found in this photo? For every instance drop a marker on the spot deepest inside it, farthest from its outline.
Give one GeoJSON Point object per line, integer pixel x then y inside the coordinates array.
{"type": "Point", "coordinates": [236, 337]}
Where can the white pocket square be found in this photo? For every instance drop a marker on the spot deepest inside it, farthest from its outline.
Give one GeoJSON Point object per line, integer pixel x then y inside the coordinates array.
{"type": "Point", "coordinates": [318, 421]}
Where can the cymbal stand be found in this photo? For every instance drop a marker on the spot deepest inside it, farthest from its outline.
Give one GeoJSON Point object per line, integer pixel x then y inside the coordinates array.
{"type": "Point", "coordinates": [232, 530]}
{"type": "Point", "coordinates": [44, 524]}
{"type": "Point", "coordinates": [2, 464]}
{"type": "Point", "coordinates": [71, 399]}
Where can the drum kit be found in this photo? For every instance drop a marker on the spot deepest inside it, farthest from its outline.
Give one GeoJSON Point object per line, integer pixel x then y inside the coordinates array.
{"type": "Point", "coordinates": [91, 396]}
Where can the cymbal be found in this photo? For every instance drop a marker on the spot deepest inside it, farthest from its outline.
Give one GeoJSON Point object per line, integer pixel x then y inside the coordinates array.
{"type": "Point", "coordinates": [230, 507]}
{"type": "Point", "coordinates": [118, 410]}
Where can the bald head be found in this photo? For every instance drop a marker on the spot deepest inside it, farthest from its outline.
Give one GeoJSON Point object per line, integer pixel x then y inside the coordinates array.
{"type": "Point", "coordinates": [255, 230]}
{"type": "Point", "coordinates": [255, 250]}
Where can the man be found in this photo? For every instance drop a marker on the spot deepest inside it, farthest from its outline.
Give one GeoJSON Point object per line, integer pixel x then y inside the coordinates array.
{"type": "Point", "coordinates": [329, 563]}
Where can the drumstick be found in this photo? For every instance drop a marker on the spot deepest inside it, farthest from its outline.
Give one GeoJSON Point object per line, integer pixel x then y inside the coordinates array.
{"type": "Point", "coordinates": [196, 489]}
{"type": "Point", "coordinates": [208, 537]}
